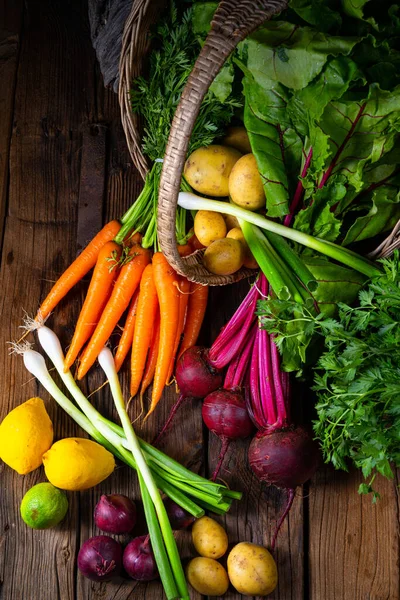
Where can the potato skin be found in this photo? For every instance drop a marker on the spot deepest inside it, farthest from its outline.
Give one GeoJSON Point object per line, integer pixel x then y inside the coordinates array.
{"type": "Point", "coordinates": [209, 538]}
{"type": "Point", "coordinates": [209, 226]}
{"type": "Point", "coordinates": [252, 570]}
{"type": "Point", "coordinates": [207, 576]}
{"type": "Point", "coordinates": [237, 137]}
{"type": "Point", "coordinates": [245, 184]}
{"type": "Point", "coordinates": [249, 261]}
{"type": "Point", "coordinates": [207, 170]}
{"type": "Point", "coordinates": [224, 257]}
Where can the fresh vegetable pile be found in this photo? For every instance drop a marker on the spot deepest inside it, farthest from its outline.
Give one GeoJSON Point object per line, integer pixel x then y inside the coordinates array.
{"type": "Point", "coordinates": [295, 149]}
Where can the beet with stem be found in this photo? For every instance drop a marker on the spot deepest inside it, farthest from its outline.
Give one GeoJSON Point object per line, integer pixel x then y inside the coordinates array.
{"type": "Point", "coordinates": [195, 377]}
{"type": "Point", "coordinates": [225, 414]}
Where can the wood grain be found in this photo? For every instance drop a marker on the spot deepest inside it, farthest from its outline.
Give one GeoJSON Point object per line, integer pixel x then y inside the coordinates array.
{"type": "Point", "coordinates": [10, 31]}
{"type": "Point", "coordinates": [354, 544]}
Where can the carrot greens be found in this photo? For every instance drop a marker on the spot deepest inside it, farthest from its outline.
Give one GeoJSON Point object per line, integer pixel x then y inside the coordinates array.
{"type": "Point", "coordinates": [155, 98]}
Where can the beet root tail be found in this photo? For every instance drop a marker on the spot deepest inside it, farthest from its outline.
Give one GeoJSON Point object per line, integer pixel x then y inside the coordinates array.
{"type": "Point", "coordinates": [168, 422]}
{"type": "Point", "coordinates": [290, 498]}
{"type": "Point", "coordinates": [225, 445]}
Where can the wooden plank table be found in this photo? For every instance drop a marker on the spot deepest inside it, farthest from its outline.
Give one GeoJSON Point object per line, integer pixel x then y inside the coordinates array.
{"type": "Point", "coordinates": [65, 170]}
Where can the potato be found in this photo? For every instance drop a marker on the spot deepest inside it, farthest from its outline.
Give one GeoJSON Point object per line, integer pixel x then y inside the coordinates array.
{"type": "Point", "coordinates": [224, 257]}
{"type": "Point", "coordinates": [207, 576]}
{"type": "Point", "coordinates": [252, 570]}
{"type": "Point", "coordinates": [237, 234]}
{"type": "Point", "coordinates": [207, 170]}
{"type": "Point", "coordinates": [249, 261]}
{"type": "Point", "coordinates": [245, 184]}
{"type": "Point", "coordinates": [231, 222]}
{"type": "Point", "coordinates": [237, 137]}
{"type": "Point", "coordinates": [209, 226]}
{"type": "Point", "coordinates": [209, 538]}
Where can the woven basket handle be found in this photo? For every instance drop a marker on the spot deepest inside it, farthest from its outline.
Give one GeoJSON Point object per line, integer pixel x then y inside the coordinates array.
{"type": "Point", "coordinates": [233, 21]}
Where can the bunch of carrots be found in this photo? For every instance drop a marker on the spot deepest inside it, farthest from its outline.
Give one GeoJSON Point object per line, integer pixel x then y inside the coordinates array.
{"type": "Point", "coordinates": [164, 310]}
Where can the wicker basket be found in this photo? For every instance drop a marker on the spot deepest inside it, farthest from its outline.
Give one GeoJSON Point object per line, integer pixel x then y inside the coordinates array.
{"type": "Point", "coordinates": [233, 21]}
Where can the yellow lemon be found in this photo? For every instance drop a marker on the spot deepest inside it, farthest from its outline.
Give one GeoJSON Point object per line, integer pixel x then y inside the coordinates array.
{"type": "Point", "coordinates": [25, 435]}
{"type": "Point", "coordinates": [77, 464]}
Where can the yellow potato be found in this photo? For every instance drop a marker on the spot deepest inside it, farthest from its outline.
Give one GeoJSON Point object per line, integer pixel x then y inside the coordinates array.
{"type": "Point", "coordinates": [249, 261]}
{"type": "Point", "coordinates": [237, 137]}
{"type": "Point", "coordinates": [245, 184]}
{"type": "Point", "coordinates": [207, 576]}
{"type": "Point", "coordinates": [207, 170]}
{"type": "Point", "coordinates": [209, 538]}
{"type": "Point", "coordinates": [252, 570]}
{"type": "Point", "coordinates": [237, 234]}
{"type": "Point", "coordinates": [224, 257]}
{"type": "Point", "coordinates": [209, 226]}
{"type": "Point", "coordinates": [231, 222]}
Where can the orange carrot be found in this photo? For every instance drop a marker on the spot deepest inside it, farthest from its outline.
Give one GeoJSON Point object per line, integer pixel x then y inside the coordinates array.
{"type": "Point", "coordinates": [96, 298]}
{"type": "Point", "coordinates": [124, 288]}
{"type": "Point", "coordinates": [146, 312]}
{"type": "Point", "coordinates": [195, 314]}
{"type": "Point", "coordinates": [151, 361]}
{"type": "Point", "coordinates": [135, 238]}
{"type": "Point", "coordinates": [194, 243]}
{"type": "Point", "coordinates": [125, 342]}
{"type": "Point", "coordinates": [78, 269]}
{"type": "Point", "coordinates": [184, 291]}
{"type": "Point", "coordinates": [184, 250]}
{"type": "Point", "coordinates": [166, 281]}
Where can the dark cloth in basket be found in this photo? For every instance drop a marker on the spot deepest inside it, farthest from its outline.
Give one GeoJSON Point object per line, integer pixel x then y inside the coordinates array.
{"type": "Point", "coordinates": [107, 19]}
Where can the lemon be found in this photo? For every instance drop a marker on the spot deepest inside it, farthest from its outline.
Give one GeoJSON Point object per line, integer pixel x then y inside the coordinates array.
{"type": "Point", "coordinates": [25, 435]}
{"type": "Point", "coordinates": [43, 506]}
{"type": "Point", "coordinates": [77, 464]}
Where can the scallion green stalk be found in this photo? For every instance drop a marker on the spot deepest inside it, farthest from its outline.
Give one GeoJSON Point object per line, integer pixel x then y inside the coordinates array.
{"type": "Point", "coordinates": [347, 257]}
{"type": "Point", "coordinates": [106, 361]}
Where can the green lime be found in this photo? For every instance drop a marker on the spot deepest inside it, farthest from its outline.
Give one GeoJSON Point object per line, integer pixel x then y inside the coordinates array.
{"type": "Point", "coordinates": [44, 506]}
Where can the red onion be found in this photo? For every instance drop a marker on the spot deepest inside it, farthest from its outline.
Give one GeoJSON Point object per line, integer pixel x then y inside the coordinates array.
{"type": "Point", "coordinates": [100, 558]}
{"type": "Point", "coordinates": [196, 378]}
{"type": "Point", "coordinates": [225, 414]}
{"type": "Point", "coordinates": [115, 514]}
{"type": "Point", "coordinates": [178, 517]}
{"type": "Point", "coordinates": [139, 561]}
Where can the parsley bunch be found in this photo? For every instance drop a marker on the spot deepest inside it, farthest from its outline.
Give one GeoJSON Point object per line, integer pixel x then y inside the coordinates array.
{"type": "Point", "coordinates": [357, 377]}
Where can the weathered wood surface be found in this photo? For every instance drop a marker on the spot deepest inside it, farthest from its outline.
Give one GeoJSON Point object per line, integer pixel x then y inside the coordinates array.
{"type": "Point", "coordinates": [65, 170]}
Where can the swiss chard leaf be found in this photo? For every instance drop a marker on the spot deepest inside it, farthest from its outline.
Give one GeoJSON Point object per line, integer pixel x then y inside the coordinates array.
{"type": "Point", "coordinates": [382, 216]}
{"type": "Point", "coordinates": [276, 146]}
{"type": "Point", "coordinates": [292, 55]}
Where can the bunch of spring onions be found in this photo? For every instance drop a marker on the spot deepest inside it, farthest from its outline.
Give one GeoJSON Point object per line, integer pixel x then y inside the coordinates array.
{"type": "Point", "coordinates": [156, 471]}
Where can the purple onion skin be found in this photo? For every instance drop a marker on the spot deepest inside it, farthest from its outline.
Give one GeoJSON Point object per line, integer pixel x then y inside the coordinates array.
{"type": "Point", "coordinates": [285, 458]}
{"type": "Point", "coordinates": [195, 376]}
{"type": "Point", "coordinates": [139, 561]}
{"type": "Point", "coordinates": [178, 517]}
{"type": "Point", "coordinates": [225, 414]}
{"type": "Point", "coordinates": [100, 558]}
{"type": "Point", "coordinates": [115, 514]}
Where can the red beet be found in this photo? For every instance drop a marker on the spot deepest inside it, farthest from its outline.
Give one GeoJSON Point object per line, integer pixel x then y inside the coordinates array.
{"type": "Point", "coordinates": [285, 458]}
{"type": "Point", "coordinates": [195, 377]}
{"type": "Point", "coordinates": [225, 414]}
